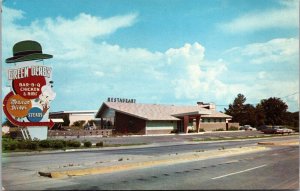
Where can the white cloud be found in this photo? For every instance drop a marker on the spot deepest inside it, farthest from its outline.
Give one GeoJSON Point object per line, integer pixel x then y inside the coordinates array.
{"type": "Point", "coordinates": [88, 71]}
{"type": "Point", "coordinates": [286, 17]}
{"type": "Point", "coordinates": [268, 69]}
{"type": "Point", "coordinates": [185, 63]}
{"type": "Point", "coordinates": [262, 75]}
{"type": "Point", "coordinates": [280, 50]}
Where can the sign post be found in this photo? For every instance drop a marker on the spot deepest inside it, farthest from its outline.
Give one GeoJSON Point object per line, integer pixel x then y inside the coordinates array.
{"type": "Point", "coordinates": [27, 104]}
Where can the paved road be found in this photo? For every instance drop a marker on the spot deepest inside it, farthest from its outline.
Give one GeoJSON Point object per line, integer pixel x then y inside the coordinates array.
{"type": "Point", "coordinates": [21, 172]}
{"type": "Point", "coordinates": [275, 169]}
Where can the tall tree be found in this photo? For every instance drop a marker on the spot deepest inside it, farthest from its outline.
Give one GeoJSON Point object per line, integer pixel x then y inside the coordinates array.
{"type": "Point", "coordinates": [259, 115]}
{"type": "Point", "coordinates": [236, 109]}
{"type": "Point", "coordinates": [275, 111]}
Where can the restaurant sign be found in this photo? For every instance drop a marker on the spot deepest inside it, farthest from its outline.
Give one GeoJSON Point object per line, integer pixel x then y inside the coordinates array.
{"type": "Point", "coordinates": [121, 100]}
{"type": "Point", "coordinates": [28, 102]}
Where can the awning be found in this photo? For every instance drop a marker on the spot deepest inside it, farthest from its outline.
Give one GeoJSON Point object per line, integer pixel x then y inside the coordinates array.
{"type": "Point", "coordinates": [193, 113]}
{"type": "Point", "coordinates": [58, 120]}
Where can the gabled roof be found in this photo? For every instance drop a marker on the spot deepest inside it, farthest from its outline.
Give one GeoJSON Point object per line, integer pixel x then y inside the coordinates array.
{"type": "Point", "coordinates": [155, 111]}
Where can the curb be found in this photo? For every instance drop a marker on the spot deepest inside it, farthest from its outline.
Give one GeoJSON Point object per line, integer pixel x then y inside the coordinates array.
{"type": "Point", "coordinates": [164, 160]}
{"type": "Point", "coordinates": [285, 143]}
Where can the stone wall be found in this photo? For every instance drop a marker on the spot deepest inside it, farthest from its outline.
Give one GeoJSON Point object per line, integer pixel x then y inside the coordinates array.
{"type": "Point", "coordinates": [152, 132]}
{"type": "Point", "coordinates": [104, 132]}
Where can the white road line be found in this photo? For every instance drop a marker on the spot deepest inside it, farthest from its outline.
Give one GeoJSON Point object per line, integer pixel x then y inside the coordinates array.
{"type": "Point", "coordinates": [239, 172]}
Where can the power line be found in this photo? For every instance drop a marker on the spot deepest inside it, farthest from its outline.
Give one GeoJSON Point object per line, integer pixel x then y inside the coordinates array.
{"type": "Point", "coordinates": [256, 103]}
{"type": "Point", "coordinates": [290, 95]}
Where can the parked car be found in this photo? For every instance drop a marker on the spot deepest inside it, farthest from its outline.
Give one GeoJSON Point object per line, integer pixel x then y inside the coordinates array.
{"type": "Point", "coordinates": [277, 130]}
{"type": "Point", "coordinates": [247, 128]}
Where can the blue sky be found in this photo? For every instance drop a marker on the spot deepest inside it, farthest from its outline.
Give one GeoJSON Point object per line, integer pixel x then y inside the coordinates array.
{"type": "Point", "coordinates": [161, 51]}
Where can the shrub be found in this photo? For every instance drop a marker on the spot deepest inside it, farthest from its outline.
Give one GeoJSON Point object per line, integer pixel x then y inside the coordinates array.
{"type": "Point", "coordinates": [233, 128]}
{"type": "Point", "coordinates": [201, 130]}
{"type": "Point", "coordinates": [100, 144]}
{"type": "Point", "coordinates": [220, 129]}
{"type": "Point", "coordinates": [174, 131]}
{"type": "Point", "coordinates": [57, 144]}
{"type": "Point", "coordinates": [79, 123]}
{"type": "Point", "coordinates": [32, 145]}
{"type": "Point", "coordinates": [5, 135]}
{"type": "Point", "coordinates": [87, 144]}
{"type": "Point", "coordinates": [22, 144]}
{"type": "Point", "coordinates": [192, 131]}
{"type": "Point", "coordinates": [45, 143]}
{"type": "Point", "coordinates": [9, 144]}
{"type": "Point", "coordinates": [72, 143]}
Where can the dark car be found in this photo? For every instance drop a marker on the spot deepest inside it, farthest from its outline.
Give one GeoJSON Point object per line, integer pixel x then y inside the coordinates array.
{"type": "Point", "coordinates": [277, 130]}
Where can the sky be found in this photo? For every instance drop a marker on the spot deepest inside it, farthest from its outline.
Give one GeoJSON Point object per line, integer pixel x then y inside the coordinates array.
{"type": "Point", "coordinates": [160, 51]}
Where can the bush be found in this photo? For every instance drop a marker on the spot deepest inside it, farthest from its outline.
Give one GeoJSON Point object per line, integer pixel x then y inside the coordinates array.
{"type": "Point", "coordinates": [45, 143]}
{"type": "Point", "coordinates": [201, 130]}
{"type": "Point", "coordinates": [233, 128]}
{"type": "Point", "coordinates": [9, 144]}
{"type": "Point", "coordinates": [31, 145]}
{"type": "Point", "coordinates": [174, 131]}
{"type": "Point", "coordinates": [57, 144]}
{"type": "Point", "coordinates": [22, 144]}
{"type": "Point", "coordinates": [220, 129]}
{"type": "Point", "coordinates": [5, 135]}
{"type": "Point", "coordinates": [100, 144]}
{"type": "Point", "coordinates": [192, 131]}
{"type": "Point", "coordinates": [72, 143]}
{"type": "Point", "coordinates": [79, 123]}
{"type": "Point", "coordinates": [87, 144]}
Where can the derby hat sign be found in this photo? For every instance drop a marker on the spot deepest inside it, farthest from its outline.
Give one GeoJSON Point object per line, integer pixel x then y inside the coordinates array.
{"type": "Point", "coordinates": [27, 50]}
{"type": "Point", "coordinates": [28, 102]}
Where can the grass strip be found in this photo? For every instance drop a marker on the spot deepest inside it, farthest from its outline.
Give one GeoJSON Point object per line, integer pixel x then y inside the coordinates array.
{"type": "Point", "coordinates": [240, 138]}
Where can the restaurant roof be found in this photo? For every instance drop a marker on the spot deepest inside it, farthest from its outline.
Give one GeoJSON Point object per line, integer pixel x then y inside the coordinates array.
{"type": "Point", "coordinates": [158, 111]}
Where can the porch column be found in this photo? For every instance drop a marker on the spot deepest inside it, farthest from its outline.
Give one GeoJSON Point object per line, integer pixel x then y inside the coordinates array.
{"type": "Point", "coordinates": [101, 123]}
{"type": "Point", "coordinates": [198, 123]}
{"type": "Point", "coordinates": [185, 123]}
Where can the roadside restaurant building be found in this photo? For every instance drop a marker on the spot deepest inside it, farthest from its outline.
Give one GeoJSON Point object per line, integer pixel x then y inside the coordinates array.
{"type": "Point", "coordinates": [145, 119]}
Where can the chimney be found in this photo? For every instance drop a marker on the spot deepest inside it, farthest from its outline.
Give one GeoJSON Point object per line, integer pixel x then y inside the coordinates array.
{"type": "Point", "coordinates": [210, 106]}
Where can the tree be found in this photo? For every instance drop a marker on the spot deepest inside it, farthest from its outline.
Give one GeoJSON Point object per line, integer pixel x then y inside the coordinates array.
{"type": "Point", "coordinates": [259, 116]}
{"type": "Point", "coordinates": [237, 109]}
{"type": "Point", "coordinates": [292, 120]}
{"type": "Point", "coordinates": [274, 110]}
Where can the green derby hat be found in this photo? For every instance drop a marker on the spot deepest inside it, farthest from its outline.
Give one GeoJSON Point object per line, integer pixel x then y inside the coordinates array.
{"type": "Point", "coordinates": [27, 50]}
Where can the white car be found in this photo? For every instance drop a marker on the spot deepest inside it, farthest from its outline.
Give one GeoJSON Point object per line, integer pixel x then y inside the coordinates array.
{"type": "Point", "coordinates": [248, 128]}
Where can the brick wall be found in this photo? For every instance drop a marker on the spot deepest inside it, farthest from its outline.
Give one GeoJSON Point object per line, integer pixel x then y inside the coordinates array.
{"type": "Point", "coordinates": [212, 126]}
{"type": "Point", "coordinates": [128, 124]}
{"type": "Point", "coordinates": [234, 125]}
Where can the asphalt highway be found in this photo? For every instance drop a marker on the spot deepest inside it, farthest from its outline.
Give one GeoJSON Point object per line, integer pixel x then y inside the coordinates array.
{"type": "Point", "coordinates": [275, 169]}
{"type": "Point", "coordinates": [21, 171]}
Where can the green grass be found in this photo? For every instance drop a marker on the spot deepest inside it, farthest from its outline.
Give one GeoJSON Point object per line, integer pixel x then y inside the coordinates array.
{"type": "Point", "coordinates": [239, 138]}
{"type": "Point", "coordinates": [123, 145]}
